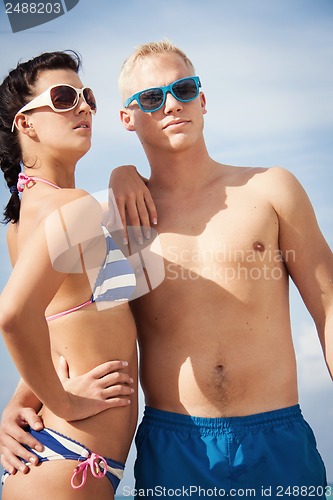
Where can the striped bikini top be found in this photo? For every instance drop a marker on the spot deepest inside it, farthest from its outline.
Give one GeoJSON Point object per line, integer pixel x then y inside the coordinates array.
{"type": "Point", "coordinates": [115, 280]}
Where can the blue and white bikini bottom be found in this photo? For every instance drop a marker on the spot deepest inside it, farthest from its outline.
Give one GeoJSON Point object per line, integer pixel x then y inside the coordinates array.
{"type": "Point", "coordinates": [59, 447]}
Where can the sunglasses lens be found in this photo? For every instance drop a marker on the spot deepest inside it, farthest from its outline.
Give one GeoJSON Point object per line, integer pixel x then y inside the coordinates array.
{"type": "Point", "coordinates": [63, 97]}
{"type": "Point", "coordinates": [90, 99]}
{"type": "Point", "coordinates": [185, 90]}
{"type": "Point", "coordinates": [151, 99]}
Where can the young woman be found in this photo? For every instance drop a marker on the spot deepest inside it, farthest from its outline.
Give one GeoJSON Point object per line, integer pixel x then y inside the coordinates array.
{"type": "Point", "coordinates": [67, 296]}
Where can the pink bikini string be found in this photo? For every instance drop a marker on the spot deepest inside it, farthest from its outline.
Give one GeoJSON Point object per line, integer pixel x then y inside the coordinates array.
{"type": "Point", "coordinates": [94, 463]}
{"type": "Point", "coordinates": [63, 313]}
{"type": "Point", "coordinates": [24, 179]}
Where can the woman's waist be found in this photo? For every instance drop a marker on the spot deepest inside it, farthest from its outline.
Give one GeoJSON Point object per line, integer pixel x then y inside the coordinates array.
{"type": "Point", "coordinates": [89, 352]}
{"type": "Point", "coordinates": [87, 336]}
{"type": "Point", "coordinates": [109, 433]}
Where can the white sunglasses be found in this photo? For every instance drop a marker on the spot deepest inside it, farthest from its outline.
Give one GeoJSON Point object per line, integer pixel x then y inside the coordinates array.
{"type": "Point", "coordinates": [61, 98]}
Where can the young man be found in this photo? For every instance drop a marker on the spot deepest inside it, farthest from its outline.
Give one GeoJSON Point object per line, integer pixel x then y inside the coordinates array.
{"type": "Point", "coordinates": [216, 357]}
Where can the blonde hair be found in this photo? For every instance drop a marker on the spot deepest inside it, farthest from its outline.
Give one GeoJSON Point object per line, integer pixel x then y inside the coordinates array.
{"type": "Point", "coordinates": [142, 51]}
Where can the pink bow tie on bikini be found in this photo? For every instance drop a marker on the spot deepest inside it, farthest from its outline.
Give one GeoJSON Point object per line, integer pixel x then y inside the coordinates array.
{"type": "Point", "coordinates": [24, 179]}
{"type": "Point", "coordinates": [94, 462]}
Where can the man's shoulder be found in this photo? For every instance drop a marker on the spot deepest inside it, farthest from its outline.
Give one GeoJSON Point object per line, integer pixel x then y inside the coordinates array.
{"type": "Point", "coordinates": [268, 177]}
{"type": "Point", "coordinates": [243, 170]}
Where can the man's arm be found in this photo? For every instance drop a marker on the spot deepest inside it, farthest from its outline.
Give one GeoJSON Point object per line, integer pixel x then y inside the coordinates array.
{"type": "Point", "coordinates": [19, 414]}
{"type": "Point", "coordinates": [328, 343]}
{"type": "Point", "coordinates": [307, 256]}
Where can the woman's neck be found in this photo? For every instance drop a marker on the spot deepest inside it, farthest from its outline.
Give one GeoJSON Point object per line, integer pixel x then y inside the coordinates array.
{"type": "Point", "coordinates": [58, 174]}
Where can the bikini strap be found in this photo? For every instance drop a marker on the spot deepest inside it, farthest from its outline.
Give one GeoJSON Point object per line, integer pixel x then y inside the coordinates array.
{"type": "Point", "coordinates": [63, 313]}
{"type": "Point", "coordinates": [24, 179]}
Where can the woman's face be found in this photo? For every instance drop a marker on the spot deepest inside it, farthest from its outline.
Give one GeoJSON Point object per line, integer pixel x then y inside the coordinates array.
{"type": "Point", "coordinates": [66, 134]}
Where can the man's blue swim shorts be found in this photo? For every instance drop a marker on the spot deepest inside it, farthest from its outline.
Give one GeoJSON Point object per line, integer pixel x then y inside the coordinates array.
{"type": "Point", "coordinates": [270, 454]}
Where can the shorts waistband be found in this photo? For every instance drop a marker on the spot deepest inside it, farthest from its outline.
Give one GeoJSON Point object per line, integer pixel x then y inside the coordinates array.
{"type": "Point", "coordinates": [178, 421]}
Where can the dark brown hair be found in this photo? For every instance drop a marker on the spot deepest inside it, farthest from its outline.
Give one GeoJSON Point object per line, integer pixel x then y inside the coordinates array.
{"type": "Point", "coordinates": [17, 90]}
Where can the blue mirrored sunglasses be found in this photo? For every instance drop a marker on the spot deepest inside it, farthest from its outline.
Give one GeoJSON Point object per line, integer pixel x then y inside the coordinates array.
{"type": "Point", "coordinates": [150, 100]}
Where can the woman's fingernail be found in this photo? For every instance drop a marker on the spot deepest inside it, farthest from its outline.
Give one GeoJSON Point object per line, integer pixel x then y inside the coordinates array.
{"type": "Point", "coordinates": [155, 221]}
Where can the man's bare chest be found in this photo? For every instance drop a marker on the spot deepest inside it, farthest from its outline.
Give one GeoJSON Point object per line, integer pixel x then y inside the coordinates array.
{"type": "Point", "coordinates": [211, 232]}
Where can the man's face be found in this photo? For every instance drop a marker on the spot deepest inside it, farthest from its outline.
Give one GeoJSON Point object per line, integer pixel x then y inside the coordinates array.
{"type": "Point", "coordinates": [176, 125]}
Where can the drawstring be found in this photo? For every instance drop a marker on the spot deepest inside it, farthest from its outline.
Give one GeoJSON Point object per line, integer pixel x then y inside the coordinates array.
{"type": "Point", "coordinates": [94, 462]}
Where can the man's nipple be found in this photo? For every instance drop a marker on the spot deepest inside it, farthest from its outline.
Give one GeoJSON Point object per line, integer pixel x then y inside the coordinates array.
{"type": "Point", "coordinates": [259, 246]}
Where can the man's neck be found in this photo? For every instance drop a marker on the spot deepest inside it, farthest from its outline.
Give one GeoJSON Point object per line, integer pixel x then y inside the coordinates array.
{"type": "Point", "coordinates": [181, 172]}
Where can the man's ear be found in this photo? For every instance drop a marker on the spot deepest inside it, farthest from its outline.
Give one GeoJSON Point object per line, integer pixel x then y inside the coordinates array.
{"type": "Point", "coordinates": [203, 103]}
{"type": "Point", "coordinates": [24, 125]}
{"type": "Point", "coordinates": [127, 119]}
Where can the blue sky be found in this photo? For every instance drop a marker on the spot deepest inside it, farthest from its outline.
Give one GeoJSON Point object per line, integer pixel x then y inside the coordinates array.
{"type": "Point", "coordinates": [267, 71]}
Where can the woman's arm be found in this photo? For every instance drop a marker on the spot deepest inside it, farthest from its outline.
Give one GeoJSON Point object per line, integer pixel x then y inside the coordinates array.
{"type": "Point", "coordinates": [30, 288]}
{"type": "Point", "coordinates": [106, 380]}
{"type": "Point", "coordinates": [55, 248]}
{"type": "Point", "coordinates": [133, 198]}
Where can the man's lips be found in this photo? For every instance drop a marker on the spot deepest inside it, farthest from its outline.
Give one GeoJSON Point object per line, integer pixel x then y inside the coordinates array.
{"type": "Point", "coordinates": [175, 123]}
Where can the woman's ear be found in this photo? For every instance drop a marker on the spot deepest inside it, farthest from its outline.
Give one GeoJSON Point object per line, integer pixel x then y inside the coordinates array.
{"type": "Point", "coordinates": [23, 124]}
{"type": "Point", "coordinates": [127, 119]}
